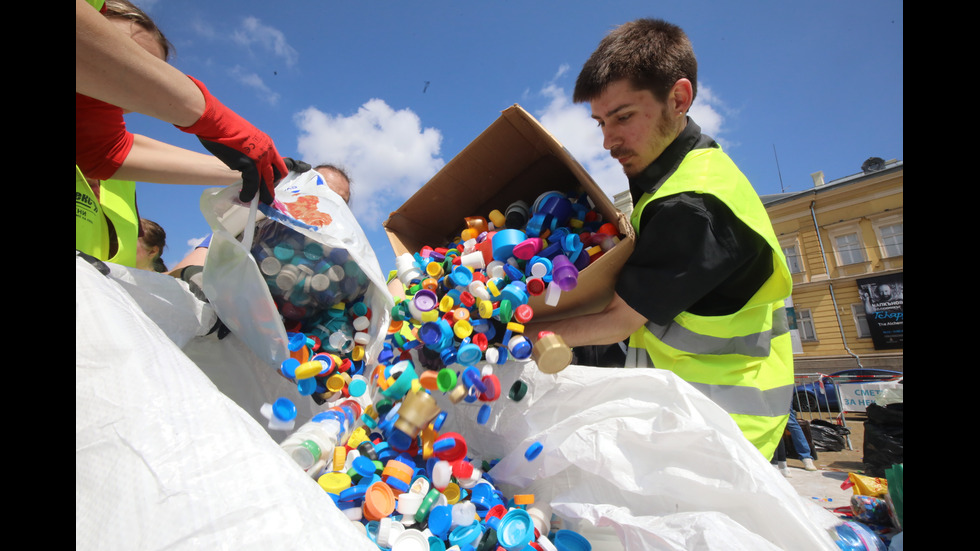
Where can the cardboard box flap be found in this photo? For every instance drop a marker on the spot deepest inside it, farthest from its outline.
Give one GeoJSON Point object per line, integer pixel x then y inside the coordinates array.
{"type": "Point", "coordinates": [515, 158]}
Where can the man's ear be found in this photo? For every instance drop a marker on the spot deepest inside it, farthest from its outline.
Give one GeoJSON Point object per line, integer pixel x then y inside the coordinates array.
{"type": "Point", "coordinates": [681, 96]}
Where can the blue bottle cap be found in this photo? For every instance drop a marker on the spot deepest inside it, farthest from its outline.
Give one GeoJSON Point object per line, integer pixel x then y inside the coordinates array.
{"type": "Point", "coordinates": [363, 465]}
{"type": "Point", "coordinates": [306, 387]}
{"type": "Point", "coordinates": [468, 354]}
{"type": "Point", "coordinates": [516, 530]}
{"type": "Point", "coordinates": [567, 540]}
{"type": "Point", "coordinates": [288, 367]}
{"type": "Point", "coordinates": [296, 341]}
{"type": "Point", "coordinates": [399, 440]}
{"type": "Point", "coordinates": [440, 520]}
{"type": "Point", "coordinates": [439, 420]}
{"type": "Point", "coordinates": [532, 451]}
{"type": "Point", "coordinates": [472, 377]}
{"type": "Point", "coordinates": [484, 415]}
{"type": "Point", "coordinates": [284, 409]}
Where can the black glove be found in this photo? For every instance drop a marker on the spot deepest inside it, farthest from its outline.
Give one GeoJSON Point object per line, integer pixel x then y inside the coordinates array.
{"type": "Point", "coordinates": [296, 166]}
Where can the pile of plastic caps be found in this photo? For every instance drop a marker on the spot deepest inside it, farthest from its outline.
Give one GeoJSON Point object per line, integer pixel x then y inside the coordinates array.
{"type": "Point", "coordinates": [379, 453]}
{"type": "Point", "coordinates": [472, 294]}
{"type": "Point", "coordinates": [378, 450]}
{"type": "Point", "coordinates": [318, 290]}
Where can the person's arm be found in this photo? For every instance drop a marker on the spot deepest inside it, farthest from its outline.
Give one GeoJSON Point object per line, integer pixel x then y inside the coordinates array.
{"type": "Point", "coordinates": [615, 323]}
{"type": "Point", "coordinates": [157, 162]}
{"type": "Point", "coordinates": [111, 67]}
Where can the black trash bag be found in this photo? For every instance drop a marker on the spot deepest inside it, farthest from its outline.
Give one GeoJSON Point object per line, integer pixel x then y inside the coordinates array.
{"type": "Point", "coordinates": [828, 437]}
{"type": "Point", "coordinates": [884, 444]}
{"type": "Point", "coordinates": [791, 451]}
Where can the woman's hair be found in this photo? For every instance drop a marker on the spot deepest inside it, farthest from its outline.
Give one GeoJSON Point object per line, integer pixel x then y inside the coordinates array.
{"type": "Point", "coordinates": [124, 9]}
{"type": "Point", "coordinates": [154, 236]}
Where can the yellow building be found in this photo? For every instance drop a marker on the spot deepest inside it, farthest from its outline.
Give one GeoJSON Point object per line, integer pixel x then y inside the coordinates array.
{"type": "Point", "coordinates": [843, 241]}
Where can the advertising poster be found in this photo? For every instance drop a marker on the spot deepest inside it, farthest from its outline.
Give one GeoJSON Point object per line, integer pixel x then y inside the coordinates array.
{"type": "Point", "coordinates": [883, 306]}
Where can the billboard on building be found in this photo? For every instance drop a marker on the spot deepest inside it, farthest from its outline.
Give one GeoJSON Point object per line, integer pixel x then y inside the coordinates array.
{"type": "Point", "coordinates": [883, 306]}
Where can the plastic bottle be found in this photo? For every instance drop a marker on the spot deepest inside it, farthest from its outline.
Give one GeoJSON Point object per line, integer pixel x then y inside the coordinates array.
{"type": "Point", "coordinates": [318, 437]}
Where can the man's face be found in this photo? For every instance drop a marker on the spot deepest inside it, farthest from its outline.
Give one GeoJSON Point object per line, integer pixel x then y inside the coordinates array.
{"type": "Point", "coordinates": [635, 126]}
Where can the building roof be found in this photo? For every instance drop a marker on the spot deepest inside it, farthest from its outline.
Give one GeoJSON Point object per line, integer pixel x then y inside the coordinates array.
{"type": "Point", "coordinates": [888, 166]}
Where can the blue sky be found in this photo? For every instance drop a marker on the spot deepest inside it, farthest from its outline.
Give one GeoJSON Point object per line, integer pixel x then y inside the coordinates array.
{"type": "Point", "coordinates": [394, 90]}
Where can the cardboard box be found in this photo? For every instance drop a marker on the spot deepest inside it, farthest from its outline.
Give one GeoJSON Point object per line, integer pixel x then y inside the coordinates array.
{"type": "Point", "coordinates": [514, 158]}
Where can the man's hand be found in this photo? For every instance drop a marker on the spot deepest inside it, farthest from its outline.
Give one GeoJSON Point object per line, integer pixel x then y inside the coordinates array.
{"type": "Point", "coordinates": [239, 145]}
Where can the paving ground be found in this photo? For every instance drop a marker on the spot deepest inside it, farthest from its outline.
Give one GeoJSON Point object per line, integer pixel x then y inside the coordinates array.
{"type": "Point", "coordinates": [823, 486]}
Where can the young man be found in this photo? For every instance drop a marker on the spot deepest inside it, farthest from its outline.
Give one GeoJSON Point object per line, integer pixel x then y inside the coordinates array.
{"type": "Point", "coordinates": [703, 291]}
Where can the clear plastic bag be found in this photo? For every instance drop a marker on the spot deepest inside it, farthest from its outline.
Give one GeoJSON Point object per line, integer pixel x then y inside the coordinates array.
{"type": "Point", "coordinates": [312, 227]}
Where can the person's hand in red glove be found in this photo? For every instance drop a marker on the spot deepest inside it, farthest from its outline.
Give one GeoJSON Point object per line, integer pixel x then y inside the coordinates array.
{"type": "Point", "coordinates": [241, 146]}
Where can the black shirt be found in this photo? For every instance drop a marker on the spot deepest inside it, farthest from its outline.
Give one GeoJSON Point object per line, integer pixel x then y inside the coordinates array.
{"type": "Point", "coordinates": [692, 253]}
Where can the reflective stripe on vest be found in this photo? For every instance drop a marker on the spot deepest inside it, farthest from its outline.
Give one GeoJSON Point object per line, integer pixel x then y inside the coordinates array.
{"type": "Point", "coordinates": [747, 400]}
{"type": "Point", "coordinates": [741, 361]}
{"type": "Point", "coordinates": [756, 345]}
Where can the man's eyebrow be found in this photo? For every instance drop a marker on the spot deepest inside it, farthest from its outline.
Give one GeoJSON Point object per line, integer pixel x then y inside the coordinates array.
{"type": "Point", "coordinates": [612, 111]}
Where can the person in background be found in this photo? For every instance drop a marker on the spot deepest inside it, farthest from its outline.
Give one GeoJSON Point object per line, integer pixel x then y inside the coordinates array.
{"type": "Point", "coordinates": [800, 443]}
{"type": "Point", "coordinates": [152, 241]}
{"type": "Point", "coordinates": [703, 291]}
{"type": "Point", "coordinates": [337, 180]}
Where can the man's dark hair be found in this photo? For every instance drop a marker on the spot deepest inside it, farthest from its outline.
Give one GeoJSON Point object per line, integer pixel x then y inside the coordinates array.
{"type": "Point", "coordinates": [650, 53]}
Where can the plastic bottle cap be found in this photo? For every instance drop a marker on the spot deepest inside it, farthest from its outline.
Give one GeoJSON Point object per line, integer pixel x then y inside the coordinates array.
{"type": "Point", "coordinates": [517, 390]}
{"type": "Point", "coordinates": [425, 300]}
{"type": "Point", "coordinates": [379, 501]}
{"type": "Point", "coordinates": [334, 482]}
{"type": "Point", "coordinates": [458, 450]}
{"type": "Point", "coordinates": [484, 414]}
{"type": "Point", "coordinates": [567, 540]}
{"type": "Point", "coordinates": [515, 530]}
{"type": "Point", "coordinates": [532, 451]}
{"type": "Point", "coordinates": [446, 379]}
{"type": "Point", "coordinates": [440, 520]}
{"type": "Point", "coordinates": [284, 409]}
{"type": "Point", "coordinates": [411, 540]}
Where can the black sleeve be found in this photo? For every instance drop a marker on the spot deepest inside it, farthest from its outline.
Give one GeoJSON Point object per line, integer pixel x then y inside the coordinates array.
{"type": "Point", "coordinates": [693, 254]}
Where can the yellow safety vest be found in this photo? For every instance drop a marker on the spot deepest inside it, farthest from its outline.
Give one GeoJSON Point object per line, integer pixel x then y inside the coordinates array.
{"type": "Point", "coordinates": [91, 230]}
{"type": "Point", "coordinates": [116, 206]}
{"type": "Point", "coordinates": [742, 361]}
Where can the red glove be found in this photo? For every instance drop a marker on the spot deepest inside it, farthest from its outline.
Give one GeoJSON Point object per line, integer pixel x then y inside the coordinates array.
{"type": "Point", "coordinates": [239, 145]}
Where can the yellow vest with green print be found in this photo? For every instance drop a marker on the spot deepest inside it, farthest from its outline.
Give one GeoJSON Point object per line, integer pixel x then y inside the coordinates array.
{"type": "Point", "coordinates": [116, 207]}
{"type": "Point", "coordinates": [742, 361]}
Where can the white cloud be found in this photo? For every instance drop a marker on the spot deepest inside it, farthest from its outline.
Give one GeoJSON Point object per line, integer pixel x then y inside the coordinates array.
{"type": "Point", "coordinates": [253, 32]}
{"type": "Point", "coordinates": [709, 111]}
{"type": "Point", "coordinates": [255, 82]}
{"type": "Point", "coordinates": [387, 153]}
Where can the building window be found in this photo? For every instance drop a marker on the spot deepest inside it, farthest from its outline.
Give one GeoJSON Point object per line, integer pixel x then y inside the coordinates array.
{"type": "Point", "coordinates": [849, 249]}
{"type": "Point", "coordinates": [891, 239]}
{"type": "Point", "coordinates": [793, 260]}
{"type": "Point", "coordinates": [890, 231]}
{"type": "Point", "coordinates": [804, 322]}
{"type": "Point", "coordinates": [860, 321]}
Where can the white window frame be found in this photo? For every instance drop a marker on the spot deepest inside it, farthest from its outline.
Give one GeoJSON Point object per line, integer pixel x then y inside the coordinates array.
{"type": "Point", "coordinates": [804, 319]}
{"type": "Point", "coordinates": [887, 221]}
{"type": "Point", "coordinates": [793, 242]}
{"type": "Point", "coordinates": [846, 230]}
{"type": "Point", "coordinates": [860, 321]}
